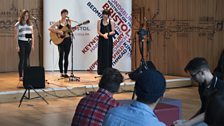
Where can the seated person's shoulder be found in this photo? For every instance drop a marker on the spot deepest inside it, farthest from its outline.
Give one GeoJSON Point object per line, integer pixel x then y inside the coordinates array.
{"type": "Point", "coordinates": [220, 84]}
{"type": "Point", "coordinates": [218, 74]}
{"type": "Point", "coordinates": [118, 109]}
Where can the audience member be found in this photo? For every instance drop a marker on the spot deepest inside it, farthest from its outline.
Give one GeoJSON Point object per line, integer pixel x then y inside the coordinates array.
{"type": "Point", "coordinates": [219, 70]}
{"type": "Point", "coordinates": [199, 70]}
{"type": "Point", "coordinates": [214, 114]}
{"type": "Point", "coordinates": [92, 109]}
{"type": "Point", "coordinates": [149, 87]}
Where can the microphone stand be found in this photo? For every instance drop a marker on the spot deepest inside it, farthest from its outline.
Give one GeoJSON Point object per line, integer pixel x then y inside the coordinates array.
{"type": "Point", "coordinates": [143, 66]}
{"type": "Point", "coordinates": [72, 77]}
{"type": "Point", "coordinates": [39, 37]}
{"type": "Point", "coordinates": [141, 48]}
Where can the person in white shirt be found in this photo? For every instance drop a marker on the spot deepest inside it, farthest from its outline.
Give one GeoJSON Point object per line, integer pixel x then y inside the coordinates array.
{"type": "Point", "coordinates": [24, 40]}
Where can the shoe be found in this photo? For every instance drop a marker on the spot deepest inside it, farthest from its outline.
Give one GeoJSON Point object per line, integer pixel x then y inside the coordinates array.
{"type": "Point", "coordinates": [20, 78]}
{"type": "Point", "coordinates": [66, 76]}
{"type": "Point", "coordinates": [99, 72]}
{"type": "Point", "coordinates": [20, 85]}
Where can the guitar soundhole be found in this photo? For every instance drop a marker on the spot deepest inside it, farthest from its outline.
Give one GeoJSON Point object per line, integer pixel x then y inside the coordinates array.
{"type": "Point", "coordinates": [60, 36]}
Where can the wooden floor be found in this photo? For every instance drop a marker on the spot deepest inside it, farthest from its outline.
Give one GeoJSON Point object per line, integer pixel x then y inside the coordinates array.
{"type": "Point", "coordinates": [60, 111]}
{"type": "Point", "coordinates": [63, 87]}
{"type": "Point", "coordinates": [10, 80]}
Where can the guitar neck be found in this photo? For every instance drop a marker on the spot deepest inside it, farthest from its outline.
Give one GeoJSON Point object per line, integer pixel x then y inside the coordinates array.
{"type": "Point", "coordinates": [77, 25]}
{"type": "Point", "coordinates": [85, 22]}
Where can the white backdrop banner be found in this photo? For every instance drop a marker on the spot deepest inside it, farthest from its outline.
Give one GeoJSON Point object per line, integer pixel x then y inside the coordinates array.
{"type": "Point", "coordinates": [85, 40]}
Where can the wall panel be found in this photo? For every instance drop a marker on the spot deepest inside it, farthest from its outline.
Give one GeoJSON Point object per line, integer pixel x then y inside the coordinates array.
{"type": "Point", "coordinates": [180, 30]}
{"type": "Point", "coordinates": [184, 29]}
{"type": "Point", "coordinates": [9, 12]}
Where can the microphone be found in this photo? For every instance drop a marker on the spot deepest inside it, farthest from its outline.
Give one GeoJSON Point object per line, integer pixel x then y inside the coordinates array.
{"type": "Point", "coordinates": [34, 18]}
{"type": "Point", "coordinates": [142, 32]}
{"type": "Point", "coordinates": [67, 17]}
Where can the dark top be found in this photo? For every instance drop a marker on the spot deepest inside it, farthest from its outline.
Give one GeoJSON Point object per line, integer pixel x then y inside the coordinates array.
{"type": "Point", "coordinates": [67, 25]}
{"type": "Point", "coordinates": [215, 85]}
{"type": "Point", "coordinates": [219, 74]}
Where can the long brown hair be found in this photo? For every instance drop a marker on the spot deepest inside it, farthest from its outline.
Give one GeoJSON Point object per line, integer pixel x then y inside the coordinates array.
{"type": "Point", "coordinates": [22, 18]}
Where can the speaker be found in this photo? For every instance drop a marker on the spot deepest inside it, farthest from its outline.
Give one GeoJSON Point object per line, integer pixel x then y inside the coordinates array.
{"type": "Point", "coordinates": [34, 77]}
{"type": "Point", "coordinates": [148, 65]}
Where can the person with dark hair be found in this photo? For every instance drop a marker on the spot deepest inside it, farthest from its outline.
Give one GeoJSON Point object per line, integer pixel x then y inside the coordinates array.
{"type": "Point", "coordinates": [105, 29]}
{"type": "Point", "coordinates": [23, 29]}
{"type": "Point", "coordinates": [214, 116]}
{"type": "Point", "coordinates": [219, 70]}
{"type": "Point", "coordinates": [92, 108]}
{"type": "Point", "coordinates": [149, 87]}
{"type": "Point", "coordinates": [65, 45]}
{"type": "Point", "coordinates": [199, 70]}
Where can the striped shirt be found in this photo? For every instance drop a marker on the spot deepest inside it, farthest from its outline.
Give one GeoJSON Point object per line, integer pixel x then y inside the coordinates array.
{"type": "Point", "coordinates": [23, 30]}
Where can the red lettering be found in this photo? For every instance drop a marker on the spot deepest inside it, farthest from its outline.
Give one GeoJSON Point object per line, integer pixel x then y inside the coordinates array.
{"type": "Point", "coordinates": [118, 51]}
{"type": "Point", "coordinates": [106, 6]}
{"type": "Point", "coordinates": [124, 27]}
{"type": "Point", "coordinates": [127, 33]}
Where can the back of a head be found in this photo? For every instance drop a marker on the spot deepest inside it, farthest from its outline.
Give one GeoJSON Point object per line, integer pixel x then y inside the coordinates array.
{"type": "Point", "coordinates": [150, 86]}
{"type": "Point", "coordinates": [214, 114]}
{"type": "Point", "coordinates": [111, 80]}
{"type": "Point", "coordinates": [197, 64]}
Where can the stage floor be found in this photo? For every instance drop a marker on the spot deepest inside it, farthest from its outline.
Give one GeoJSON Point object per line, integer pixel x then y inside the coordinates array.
{"type": "Point", "coordinates": [9, 83]}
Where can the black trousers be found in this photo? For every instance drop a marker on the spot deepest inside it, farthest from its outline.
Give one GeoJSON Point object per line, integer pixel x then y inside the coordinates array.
{"type": "Point", "coordinates": [24, 53]}
{"type": "Point", "coordinates": [64, 49]}
{"type": "Point", "coordinates": [105, 52]}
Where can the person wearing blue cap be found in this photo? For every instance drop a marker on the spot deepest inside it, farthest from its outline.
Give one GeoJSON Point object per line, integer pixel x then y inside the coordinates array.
{"type": "Point", "coordinates": [149, 87]}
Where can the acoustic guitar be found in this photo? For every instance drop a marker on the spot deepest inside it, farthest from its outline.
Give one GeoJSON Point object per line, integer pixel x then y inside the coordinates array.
{"type": "Point", "coordinates": [58, 38]}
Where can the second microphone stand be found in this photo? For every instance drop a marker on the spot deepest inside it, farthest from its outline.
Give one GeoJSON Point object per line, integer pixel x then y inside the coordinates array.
{"type": "Point", "coordinates": [72, 77]}
{"type": "Point", "coordinates": [143, 65]}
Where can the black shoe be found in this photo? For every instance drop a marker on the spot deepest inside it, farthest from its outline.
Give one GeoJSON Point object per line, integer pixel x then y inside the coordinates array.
{"type": "Point", "coordinates": [99, 73]}
{"type": "Point", "coordinates": [65, 76]}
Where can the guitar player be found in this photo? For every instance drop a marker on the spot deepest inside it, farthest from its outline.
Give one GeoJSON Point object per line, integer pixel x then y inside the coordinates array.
{"type": "Point", "coordinates": [64, 46]}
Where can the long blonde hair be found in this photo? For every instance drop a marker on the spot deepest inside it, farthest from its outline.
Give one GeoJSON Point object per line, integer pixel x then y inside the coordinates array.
{"type": "Point", "coordinates": [22, 18]}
